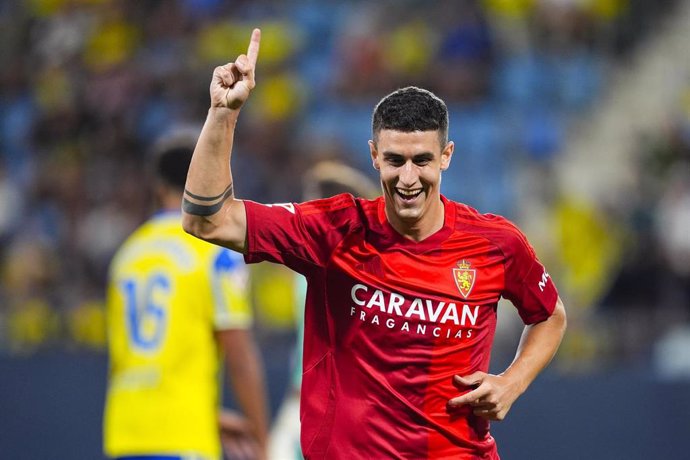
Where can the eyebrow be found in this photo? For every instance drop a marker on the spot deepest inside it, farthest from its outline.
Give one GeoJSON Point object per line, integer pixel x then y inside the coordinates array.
{"type": "Point", "coordinates": [417, 156]}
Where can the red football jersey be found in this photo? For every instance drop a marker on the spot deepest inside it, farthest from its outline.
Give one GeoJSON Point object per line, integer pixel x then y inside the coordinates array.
{"type": "Point", "coordinates": [389, 321]}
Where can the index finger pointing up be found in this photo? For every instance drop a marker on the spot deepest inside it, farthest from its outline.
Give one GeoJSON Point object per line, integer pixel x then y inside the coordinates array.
{"type": "Point", "coordinates": [253, 50]}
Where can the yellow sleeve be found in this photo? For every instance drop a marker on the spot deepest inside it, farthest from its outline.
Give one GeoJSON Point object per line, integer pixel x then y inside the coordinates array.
{"type": "Point", "coordinates": [230, 290]}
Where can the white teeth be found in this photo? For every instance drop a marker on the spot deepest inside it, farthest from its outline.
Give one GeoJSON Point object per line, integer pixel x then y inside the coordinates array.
{"type": "Point", "coordinates": [408, 192]}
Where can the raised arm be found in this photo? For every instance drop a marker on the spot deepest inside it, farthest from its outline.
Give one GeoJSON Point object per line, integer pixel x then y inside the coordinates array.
{"type": "Point", "coordinates": [209, 208]}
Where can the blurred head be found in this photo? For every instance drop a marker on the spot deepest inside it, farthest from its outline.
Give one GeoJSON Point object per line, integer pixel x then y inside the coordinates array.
{"type": "Point", "coordinates": [329, 178]}
{"type": "Point", "coordinates": [410, 149]}
{"type": "Point", "coordinates": [170, 161]}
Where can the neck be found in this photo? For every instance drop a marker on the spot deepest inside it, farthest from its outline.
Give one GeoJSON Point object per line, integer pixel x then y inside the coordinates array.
{"type": "Point", "coordinates": [421, 228]}
{"type": "Point", "coordinates": [169, 199]}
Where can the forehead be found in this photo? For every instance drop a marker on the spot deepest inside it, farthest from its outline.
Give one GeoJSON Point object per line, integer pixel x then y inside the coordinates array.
{"type": "Point", "coordinates": [389, 140]}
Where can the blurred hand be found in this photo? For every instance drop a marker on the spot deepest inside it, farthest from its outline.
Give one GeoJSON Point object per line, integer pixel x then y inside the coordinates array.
{"type": "Point", "coordinates": [237, 438]}
{"type": "Point", "coordinates": [232, 82]}
{"type": "Point", "coordinates": [491, 395]}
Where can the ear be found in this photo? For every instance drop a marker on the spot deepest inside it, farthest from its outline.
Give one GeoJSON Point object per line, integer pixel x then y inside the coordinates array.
{"type": "Point", "coordinates": [374, 155]}
{"type": "Point", "coordinates": [446, 155]}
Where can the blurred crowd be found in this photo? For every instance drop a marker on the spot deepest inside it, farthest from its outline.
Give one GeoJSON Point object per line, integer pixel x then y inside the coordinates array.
{"type": "Point", "coordinates": [87, 86]}
{"type": "Point", "coordinates": [649, 297]}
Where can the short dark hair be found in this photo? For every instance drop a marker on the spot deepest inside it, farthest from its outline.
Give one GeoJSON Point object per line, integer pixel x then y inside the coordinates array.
{"type": "Point", "coordinates": [171, 157]}
{"type": "Point", "coordinates": [171, 166]}
{"type": "Point", "coordinates": [411, 109]}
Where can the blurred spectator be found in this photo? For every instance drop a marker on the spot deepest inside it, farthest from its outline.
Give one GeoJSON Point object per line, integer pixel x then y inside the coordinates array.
{"type": "Point", "coordinates": [324, 179]}
{"type": "Point", "coordinates": [11, 206]}
{"type": "Point", "coordinates": [86, 85]}
{"type": "Point", "coordinates": [673, 224]}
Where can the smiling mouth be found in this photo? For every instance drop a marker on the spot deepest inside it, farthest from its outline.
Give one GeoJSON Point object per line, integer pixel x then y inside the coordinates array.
{"type": "Point", "coordinates": [408, 195]}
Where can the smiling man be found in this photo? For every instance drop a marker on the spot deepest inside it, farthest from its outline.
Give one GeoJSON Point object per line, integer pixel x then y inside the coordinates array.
{"type": "Point", "coordinates": [410, 149]}
{"type": "Point", "coordinates": [402, 290]}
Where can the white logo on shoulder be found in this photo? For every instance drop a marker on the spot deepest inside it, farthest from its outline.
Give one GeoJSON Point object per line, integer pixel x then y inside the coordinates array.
{"type": "Point", "coordinates": [289, 206]}
{"type": "Point", "coordinates": [542, 283]}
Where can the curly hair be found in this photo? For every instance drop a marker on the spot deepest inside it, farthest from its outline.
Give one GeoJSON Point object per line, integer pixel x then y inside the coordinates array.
{"type": "Point", "coordinates": [411, 109]}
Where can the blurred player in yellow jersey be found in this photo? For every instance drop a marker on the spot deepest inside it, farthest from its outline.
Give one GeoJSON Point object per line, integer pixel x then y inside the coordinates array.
{"type": "Point", "coordinates": [176, 305]}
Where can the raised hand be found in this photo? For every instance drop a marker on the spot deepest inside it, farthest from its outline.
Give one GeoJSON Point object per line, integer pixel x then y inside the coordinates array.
{"type": "Point", "coordinates": [232, 82]}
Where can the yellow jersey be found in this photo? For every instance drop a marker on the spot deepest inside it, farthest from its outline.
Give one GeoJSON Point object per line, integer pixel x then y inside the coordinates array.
{"type": "Point", "coordinates": [167, 294]}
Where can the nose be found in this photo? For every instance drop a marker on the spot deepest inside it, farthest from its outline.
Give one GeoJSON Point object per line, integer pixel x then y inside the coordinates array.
{"type": "Point", "coordinates": [408, 174]}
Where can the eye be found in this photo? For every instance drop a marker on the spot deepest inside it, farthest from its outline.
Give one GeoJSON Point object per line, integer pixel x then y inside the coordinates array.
{"type": "Point", "coordinates": [395, 161]}
{"type": "Point", "coordinates": [422, 161]}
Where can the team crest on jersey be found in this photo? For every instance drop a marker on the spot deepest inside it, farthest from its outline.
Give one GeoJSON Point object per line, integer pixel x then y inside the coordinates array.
{"type": "Point", "coordinates": [464, 277]}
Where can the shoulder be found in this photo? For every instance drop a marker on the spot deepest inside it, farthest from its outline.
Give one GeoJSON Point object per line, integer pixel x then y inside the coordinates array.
{"type": "Point", "coordinates": [134, 242]}
{"type": "Point", "coordinates": [326, 206]}
{"type": "Point", "coordinates": [339, 209]}
{"type": "Point", "coordinates": [163, 238]}
{"type": "Point", "coordinates": [500, 231]}
{"type": "Point", "coordinates": [341, 203]}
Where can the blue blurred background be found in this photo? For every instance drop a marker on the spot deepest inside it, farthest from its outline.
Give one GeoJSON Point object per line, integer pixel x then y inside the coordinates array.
{"type": "Point", "coordinates": [571, 117]}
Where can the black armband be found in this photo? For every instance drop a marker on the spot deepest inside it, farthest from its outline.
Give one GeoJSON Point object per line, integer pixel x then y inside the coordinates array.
{"type": "Point", "coordinates": [204, 210]}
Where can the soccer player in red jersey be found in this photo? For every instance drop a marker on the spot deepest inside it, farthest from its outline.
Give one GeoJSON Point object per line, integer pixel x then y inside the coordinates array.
{"type": "Point", "coordinates": [402, 290]}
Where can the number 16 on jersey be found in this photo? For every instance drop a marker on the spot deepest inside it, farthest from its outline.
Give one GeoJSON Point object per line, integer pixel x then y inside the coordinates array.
{"type": "Point", "coordinates": [146, 301]}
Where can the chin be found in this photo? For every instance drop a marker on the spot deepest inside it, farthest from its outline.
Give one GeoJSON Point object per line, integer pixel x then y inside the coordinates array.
{"type": "Point", "coordinates": [408, 214]}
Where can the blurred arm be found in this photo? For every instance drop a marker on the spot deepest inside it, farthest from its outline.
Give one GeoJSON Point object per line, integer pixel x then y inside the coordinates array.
{"type": "Point", "coordinates": [245, 373]}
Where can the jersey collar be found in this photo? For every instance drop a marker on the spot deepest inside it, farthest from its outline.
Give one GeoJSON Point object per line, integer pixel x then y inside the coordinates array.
{"type": "Point", "coordinates": [390, 237]}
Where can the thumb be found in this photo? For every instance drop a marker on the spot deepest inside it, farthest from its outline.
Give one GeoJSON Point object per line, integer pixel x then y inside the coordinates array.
{"type": "Point", "coordinates": [473, 379]}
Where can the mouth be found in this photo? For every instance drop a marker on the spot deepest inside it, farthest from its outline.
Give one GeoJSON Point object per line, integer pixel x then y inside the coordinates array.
{"type": "Point", "coordinates": [408, 195]}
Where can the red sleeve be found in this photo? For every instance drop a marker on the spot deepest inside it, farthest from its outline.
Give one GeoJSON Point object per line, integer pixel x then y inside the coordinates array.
{"type": "Point", "coordinates": [300, 236]}
{"type": "Point", "coordinates": [527, 284]}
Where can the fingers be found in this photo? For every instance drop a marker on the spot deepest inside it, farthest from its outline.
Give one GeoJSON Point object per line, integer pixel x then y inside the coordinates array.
{"type": "Point", "coordinates": [234, 72]}
{"type": "Point", "coordinates": [244, 66]}
{"type": "Point", "coordinates": [490, 411]}
{"type": "Point", "coordinates": [235, 428]}
{"type": "Point", "coordinates": [228, 74]}
{"type": "Point", "coordinates": [253, 49]}
{"type": "Point", "coordinates": [240, 449]}
{"type": "Point", "coordinates": [469, 380]}
{"type": "Point", "coordinates": [487, 397]}
{"type": "Point", "coordinates": [489, 414]}
{"type": "Point", "coordinates": [472, 397]}
{"type": "Point", "coordinates": [483, 408]}
{"type": "Point", "coordinates": [232, 83]}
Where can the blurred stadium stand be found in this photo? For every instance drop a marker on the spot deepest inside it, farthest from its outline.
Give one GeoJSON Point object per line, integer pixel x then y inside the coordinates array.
{"type": "Point", "coordinates": [570, 117]}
